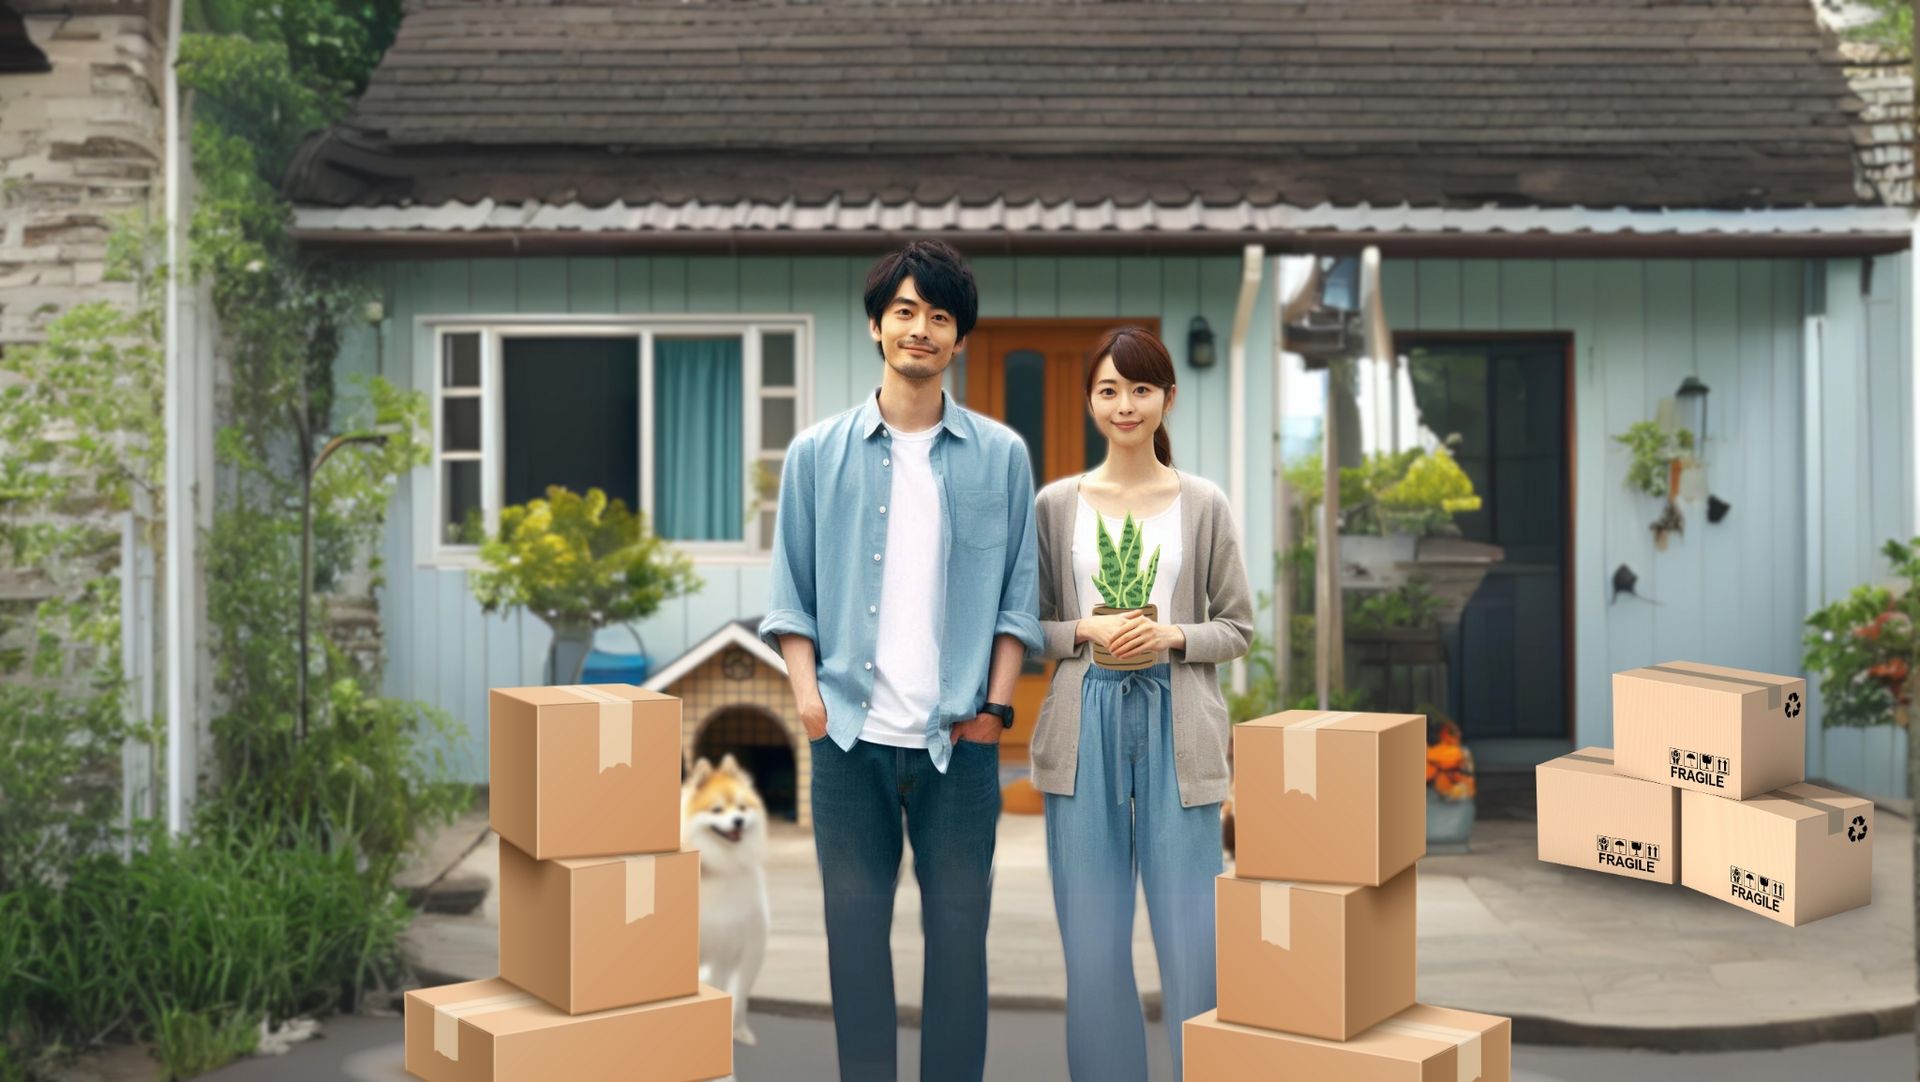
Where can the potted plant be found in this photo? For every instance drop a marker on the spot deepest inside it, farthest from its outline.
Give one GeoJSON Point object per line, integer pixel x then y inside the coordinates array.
{"type": "Point", "coordinates": [1123, 585]}
{"type": "Point", "coordinates": [1660, 452]}
{"type": "Point", "coordinates": [1396, 524]}
{"type": "Point", "coordinates": [1450, 786]}
{"type": "Point", "coordinates": [578, 563]}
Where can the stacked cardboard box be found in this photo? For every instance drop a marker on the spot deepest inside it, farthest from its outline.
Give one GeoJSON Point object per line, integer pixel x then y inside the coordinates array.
{"type": "Point", "coordinates": [1706, 787]}
{"type": "Point", "coordinates": [1315, 945]}
{"type": "Point", "coordinates": [599, 908]}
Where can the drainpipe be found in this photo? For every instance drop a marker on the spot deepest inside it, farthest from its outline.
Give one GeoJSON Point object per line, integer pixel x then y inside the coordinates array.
{"type": "Point", "coordinates": [1237, 414]}
{"type": "Point", "coordinates": [179, 500]}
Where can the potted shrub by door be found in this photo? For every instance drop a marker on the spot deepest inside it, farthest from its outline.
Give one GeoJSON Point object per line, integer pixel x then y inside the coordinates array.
{"type": "Point", "coordinates": [1450, 787]}
{"type": "Point", "coordinates": [1123, 585]}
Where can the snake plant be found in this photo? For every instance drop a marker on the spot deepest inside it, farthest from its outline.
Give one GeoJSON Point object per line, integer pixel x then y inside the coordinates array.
{"type": "Point", "coordinates": [1121, 583]}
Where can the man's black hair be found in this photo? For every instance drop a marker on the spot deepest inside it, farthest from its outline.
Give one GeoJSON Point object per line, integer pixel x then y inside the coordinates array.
{"type": "Point", "coordinates": [939, 274]}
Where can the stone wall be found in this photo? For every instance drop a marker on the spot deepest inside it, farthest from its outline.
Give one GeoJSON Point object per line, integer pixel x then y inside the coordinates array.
{"type": "Point", "coordinates": [80, 146]}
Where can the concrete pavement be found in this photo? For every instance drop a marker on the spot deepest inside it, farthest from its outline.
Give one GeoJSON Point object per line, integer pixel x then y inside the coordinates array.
{"type": "Point", "coordinates": [1575, 958]}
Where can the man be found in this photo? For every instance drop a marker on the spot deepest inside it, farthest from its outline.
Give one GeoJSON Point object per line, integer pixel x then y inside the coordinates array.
{"type": "Point", "coordinates": [904, 598]}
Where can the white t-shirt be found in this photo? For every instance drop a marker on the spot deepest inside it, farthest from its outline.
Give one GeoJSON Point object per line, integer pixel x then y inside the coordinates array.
{"type": "Point", "coordinates": [906, 662]}
{"type": "Point", "coordinates": [1162, 530]}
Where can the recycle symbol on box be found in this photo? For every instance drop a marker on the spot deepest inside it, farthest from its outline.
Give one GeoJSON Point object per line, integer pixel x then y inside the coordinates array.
{"type": "Point", "coordinates": [1857, 829]}
{"type": "Point", "coordinates": [1793, 704]}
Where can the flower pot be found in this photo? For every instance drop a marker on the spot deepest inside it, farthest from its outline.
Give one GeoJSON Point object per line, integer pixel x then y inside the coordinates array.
{"type": "Point", "coordinates": [567, 656]}
{"type": "Point", "coordinates": [1108, 661]}
{"type": "Point", "coordinates": [1449, 822]}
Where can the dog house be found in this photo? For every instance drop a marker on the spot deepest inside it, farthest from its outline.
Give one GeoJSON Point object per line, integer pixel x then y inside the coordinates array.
{"type": "Point", "coordinates": [734, 698]}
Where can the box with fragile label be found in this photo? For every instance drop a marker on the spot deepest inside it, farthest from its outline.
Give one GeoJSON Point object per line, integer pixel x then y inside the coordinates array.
{"type": "Point", "coordinates": [1420, 1044]}
{"type": "Point", "coordinates": [1329, 796]}
{"type": "Point", "coordinates": [1590, 817]}
{"type": "Point", "coordinates": [491, 1031]}
{"type": "Point", "coordinates": [584, 770]}
{"type": "Point", "coordinates": [1794, 855]}
{"type": "Point", "coordinates": [1729, 732]}
{"type": "Point", "coordinates": [589, 933]}
{"type": "Point", "coordinates": [1320, 959]}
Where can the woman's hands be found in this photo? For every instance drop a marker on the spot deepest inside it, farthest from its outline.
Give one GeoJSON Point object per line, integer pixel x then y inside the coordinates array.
{"type": "Point", "coordinates": [1125, 634]}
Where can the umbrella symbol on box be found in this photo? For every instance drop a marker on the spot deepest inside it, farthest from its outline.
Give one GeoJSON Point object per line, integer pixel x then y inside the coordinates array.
{"type": "Point", "coordinates": [1692, 762]}
{"type": "Point", "coordinates": [1620, 846]}
{"type": "Point", "coordinates": [1749, 879]}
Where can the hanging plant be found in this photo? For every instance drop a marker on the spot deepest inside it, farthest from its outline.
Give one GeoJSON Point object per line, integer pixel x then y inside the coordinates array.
{"type": "Point", "coordinates": [1659, 455]}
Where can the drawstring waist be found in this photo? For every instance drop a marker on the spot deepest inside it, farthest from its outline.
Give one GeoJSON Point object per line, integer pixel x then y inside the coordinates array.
{"type": "Point", "coordinates": [1153, 684]}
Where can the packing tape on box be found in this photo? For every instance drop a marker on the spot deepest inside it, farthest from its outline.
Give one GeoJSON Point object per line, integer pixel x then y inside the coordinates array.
{"type": "Point", "coordinates": [1299, 744]}
{"type": "Point", "coordinates": [1465, 1041]}
{"type": "Point", "coordinates": [1276, 913]}
{"type": "Point", "coordinates": [639, 886]}
{"type": "Point", "coordinates": [446, 1018]}
{"type": "Point", "coordinates": [1836, 815]}
{"type": "Point", "coordinates": [616, 725]}
{"type": "Point", "coordinates": [1772, 690]}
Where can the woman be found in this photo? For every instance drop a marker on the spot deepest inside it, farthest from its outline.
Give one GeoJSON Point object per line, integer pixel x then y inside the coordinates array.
{"type": "Point", "coordinates": [1135, 762]}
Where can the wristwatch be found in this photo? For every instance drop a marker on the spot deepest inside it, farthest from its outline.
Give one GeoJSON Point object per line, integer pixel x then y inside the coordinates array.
{"type": "Point", "coordinates": [1004, 713]}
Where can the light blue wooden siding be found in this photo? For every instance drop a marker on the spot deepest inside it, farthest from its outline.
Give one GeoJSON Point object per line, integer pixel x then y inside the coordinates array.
{"type": "Point", "coordinates": [1733, 593]}
{"type": "Point", "coordinates": [1865, 485]}
{"type": "Point", "coordinates": [441, 650]}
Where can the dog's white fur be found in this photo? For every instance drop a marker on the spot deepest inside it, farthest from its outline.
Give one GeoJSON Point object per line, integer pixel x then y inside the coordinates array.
{"type": "Point", "coordinates": [722, 816]}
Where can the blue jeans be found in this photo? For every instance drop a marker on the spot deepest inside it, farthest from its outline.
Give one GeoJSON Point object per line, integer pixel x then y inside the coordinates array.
{"type": "Point", "coordinates": [860, 797]}
{"type": "Point", "coordinates": [1123, 825]}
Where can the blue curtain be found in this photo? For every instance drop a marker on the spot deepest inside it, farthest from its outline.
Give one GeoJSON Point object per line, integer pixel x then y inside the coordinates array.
{"type": "Point", "coordinates": [697, 470]}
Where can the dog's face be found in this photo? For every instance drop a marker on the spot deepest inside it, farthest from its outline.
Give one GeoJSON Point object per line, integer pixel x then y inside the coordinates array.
{"type": "Point", "coordinates": [720, 810]}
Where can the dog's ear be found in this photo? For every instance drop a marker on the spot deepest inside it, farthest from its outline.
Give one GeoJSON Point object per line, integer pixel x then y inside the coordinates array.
{"type": "Point", "coordinates": [729, 766]}
{"type": "Point", "coordinates": [702, 770]}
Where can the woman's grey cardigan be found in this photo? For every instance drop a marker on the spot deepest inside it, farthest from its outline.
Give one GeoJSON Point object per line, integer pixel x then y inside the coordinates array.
{"type": "Point", "coordinates": [1211, 605]}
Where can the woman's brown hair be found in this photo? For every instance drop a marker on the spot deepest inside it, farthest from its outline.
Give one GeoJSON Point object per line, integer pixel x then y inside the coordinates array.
{"type": "Point", "coordinates": [1140, 357]}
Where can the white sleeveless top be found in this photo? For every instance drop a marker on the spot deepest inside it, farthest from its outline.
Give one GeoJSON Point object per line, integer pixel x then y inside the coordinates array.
{"type": "Point", "coordinates": [1162, 530]}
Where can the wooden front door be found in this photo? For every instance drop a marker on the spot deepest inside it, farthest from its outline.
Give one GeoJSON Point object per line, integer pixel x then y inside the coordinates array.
{"type": "Point", "coordinates": [1031, 374]}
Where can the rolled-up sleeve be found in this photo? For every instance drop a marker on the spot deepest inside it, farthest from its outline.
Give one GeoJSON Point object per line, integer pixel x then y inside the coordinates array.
{"type": "Point", "coordinates": [1229, 627]}
{"type": "Point", "coordinates": [792, 605]}
{"type": "Point", "coordinates": [1019, 597]}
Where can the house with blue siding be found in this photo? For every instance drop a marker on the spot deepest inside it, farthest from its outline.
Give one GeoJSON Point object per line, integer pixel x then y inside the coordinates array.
{"type": "Point", "coordinates": [622, 245]}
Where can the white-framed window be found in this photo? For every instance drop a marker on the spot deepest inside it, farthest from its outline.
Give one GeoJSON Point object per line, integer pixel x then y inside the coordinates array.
{"type": "Point", "coordinates": [686, 418]}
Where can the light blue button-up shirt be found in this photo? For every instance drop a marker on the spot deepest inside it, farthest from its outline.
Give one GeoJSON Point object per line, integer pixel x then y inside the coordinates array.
{"type": "Point", "coordinates": [826, 579]}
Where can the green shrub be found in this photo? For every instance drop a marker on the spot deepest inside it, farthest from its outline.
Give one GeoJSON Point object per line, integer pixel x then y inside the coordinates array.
{"type": "Point", "coordinates": [192, 943]}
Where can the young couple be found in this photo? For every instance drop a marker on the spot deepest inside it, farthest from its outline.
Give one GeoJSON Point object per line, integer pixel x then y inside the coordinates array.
{"type": "Point", "coordinates": [912, 573]}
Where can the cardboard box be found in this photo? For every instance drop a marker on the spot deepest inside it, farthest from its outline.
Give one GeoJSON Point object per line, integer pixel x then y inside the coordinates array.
{"type": "Point", "coordinates": [591, 933]}
{"type": "Point", "coordinates": [1420, 1044]}
{"type": "Point", "coordinates": [490, 1031]}
{"type": "Point", "coordinates": [1729, 732]}
{"type": "Point", "coordinates": [1318, 959]}
{"type": "Point", "coordinates": [1794, 855]}
{"type": "Point", "coordinates": [1329, 797]}
{"type": "Point", "coordinates": [584, 770]}
{"type": "Point", "coordinates": [1593, 818]}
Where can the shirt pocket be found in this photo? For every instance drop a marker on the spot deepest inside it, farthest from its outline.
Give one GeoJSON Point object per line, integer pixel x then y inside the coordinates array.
{"type": "Point", "coordinates": [980, 518]}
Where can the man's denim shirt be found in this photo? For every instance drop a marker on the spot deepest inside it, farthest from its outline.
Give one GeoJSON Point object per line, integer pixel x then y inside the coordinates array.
{"type": "Point", "coordinates": [830, 539]}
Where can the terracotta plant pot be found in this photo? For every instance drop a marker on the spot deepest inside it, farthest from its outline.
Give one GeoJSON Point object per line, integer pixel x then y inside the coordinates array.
{"type": "Point", "coordinates": [1108, 661]}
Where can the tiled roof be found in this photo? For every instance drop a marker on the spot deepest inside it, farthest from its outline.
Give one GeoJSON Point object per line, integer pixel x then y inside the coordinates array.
{"type": "Point", "coordinates": [1425, 103]}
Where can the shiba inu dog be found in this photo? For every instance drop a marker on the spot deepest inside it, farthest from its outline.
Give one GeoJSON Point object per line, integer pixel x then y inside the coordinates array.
{"type": "Point", "coordinates": [722, 816]}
